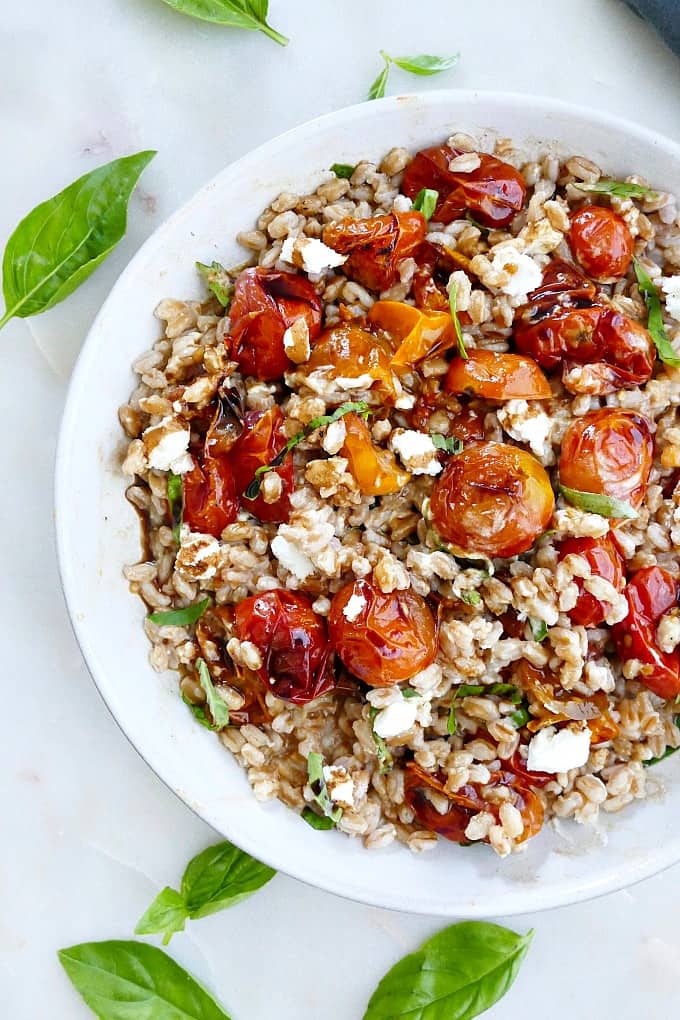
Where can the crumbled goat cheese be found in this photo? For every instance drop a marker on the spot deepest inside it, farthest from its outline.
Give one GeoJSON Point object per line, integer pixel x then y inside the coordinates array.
{"type": "Point", "coordinates": [555, 751]}
{"type": "Point", "coordinates": [359, 382]}
{"type": "Point", "coordinates": [334, 439]}
{"type": "Point", "coordinates": [518, 271]}
{"type": "Point", "coordinates": [340, 785]}
{"type": "Point", "coordinates": [198, 556]}
{"type": "Point", "coordinates": [296, 341]}
{"type": "Point", "coordinates": [670, 285]}
{"type": "Point", "coordinates": [311, 255]}
{"type": "Point", "coordinates": [396, 718]}
{"type": "Point", "coordinates": [290, 557]}
{"type": "Point", "coordinates": [405, 402]}
{"type": "Point", "coordinates": [668, 632]}
{"type": "Point", "coordinates": [416, 451]}
{"type": "Point", "coordinates": [167, 446]}
{"type": "Point", "coordinates": [527, 425]}
{"type": "Point", "coordinates": [354, 607]}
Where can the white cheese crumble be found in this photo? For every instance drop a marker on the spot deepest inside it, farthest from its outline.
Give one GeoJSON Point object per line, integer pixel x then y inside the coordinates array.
{"type": "Point", "coordinates": [198, 555]}
{"type": "Point", "coordinates": [334, 439]}
{"type": "Point", "coordinates": [359, 382]}
{"type": "Point", "coordinates": [555, 751]}
{"type": "Point", "coordinates": [311, 255]}
{"type": "Point", "coordinates": [519, 274]}
{"type": "Point", "coordinates": [296, 341]}
{"type": "Point", "coordinates": [397, 718]}
{"type": "Point", "coordinates": [290, 557]}
{"type": "Point", "coordinates": [167, 446]}
{"type": "Point", "coordinates": [416, 451]}
{"type": "Point", "coordinates": [340, 785]}
{"type": "Point", "coordinates": [670, 285]}
{"type": "Point", "coordinates": [528, 425]}
{"type": "Point", "coordinates": [354, 608]}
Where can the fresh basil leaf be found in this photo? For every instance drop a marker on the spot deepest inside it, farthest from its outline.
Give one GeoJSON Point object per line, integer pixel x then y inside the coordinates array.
{"type": "Point", "coordinates": [248, 14]}
{"type": "Point", "coordinates": [176, 503]}
{"type": "Point", "coordinates": [134, 981]}
{"type": "Point", "coordinates": [220, 877]}
{"type": "Point", "coordinates": [63, 240]}
{"type": "Point", "coordinates": [381, 751]}
{"type": "Point", "coordinates": [343, 170]}
{"type": "Point", "coordinates": [166, 916]}
{"type": "Point", "coordinates": [507, 691]}
{"type": "Point", "coordinates": [450, 444]}
{"type": "Point", "coordinates": [455, 975]}
{"type": "Point", "coordinates": [180, 617]}
{"type": "Point", "coordinates": [520, 718]}
{"type": "Point", "coordinates": [539, 629]}
{"type": "Point", "coordinates": [655, 325]}
{"type": "Point", "coordinates": [426, 202]}
{"type": "Point", "coordinates": [218, 707]}
{"type": "Point", "coordinates": [317, 821]}
{"type": "Point", "coordinates": [319, 789]}
{"type": "Point", "coordinates": [622, 189]}
{"type": "Point", "coordinates": [199, 713]}
{"type": "Point", "coordinates": [456, 323]}
{"type": "Point", "coordinates": [219, 282]}
{"type": "Point", "coordinates": [425, 64]}
{"type": "Point", "coordinates": [596, 503]}
{"type": "Point", "coordinates": [408, 693]}
{"type": "Point", "coordinates": [377, 89]}
{"type": "Point", "coordinates": [471, 598]}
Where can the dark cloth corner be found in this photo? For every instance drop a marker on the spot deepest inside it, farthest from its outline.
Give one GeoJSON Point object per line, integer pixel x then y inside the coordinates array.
{"type": "Point", "coordinates": [664, 15]}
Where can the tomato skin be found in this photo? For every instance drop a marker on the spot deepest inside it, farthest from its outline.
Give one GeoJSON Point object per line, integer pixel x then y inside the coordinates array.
{"type": "Point", "coordinates": [562, 285]}
{"type": "Point", "coordinates": [492, 499]}
{"type": "Point", "coordinates": [262, 438]}
{"type": "Point", "coordinates": [601, 242]}
{"type": "Point", "coordinates": [605, 561]}
{"type": "Point", "coordinates": [609, 451]}
{"type": "Point", "coordinates": [210, 502]}
{"type": "Point", "coordinates": [374, 469]}
{"type": "Point", "coordinates": [265, 303]}
{"type": "Point", "coordinates": [464, 423]}
{"type": "Point", "coordinates": [415, 333]}
{"type": "Point", "coordinates": [349, 351]}
{"type": "Point", "coordinates": [376, 246]}
{"type": "Point", "coordinates": [393, 637]}
{"type": "Point", "coordinates": [493, 193]}
{"type": "Point", "coordinates": [496, 376]}
{"type": "Point", "coordinates": [293, 641]}
{"type": "Point", "coordinates": [651, 592]}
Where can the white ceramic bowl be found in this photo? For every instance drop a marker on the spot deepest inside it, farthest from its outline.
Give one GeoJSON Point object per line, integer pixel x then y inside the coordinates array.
{"type": "Point", "coordinates": [98, 531]}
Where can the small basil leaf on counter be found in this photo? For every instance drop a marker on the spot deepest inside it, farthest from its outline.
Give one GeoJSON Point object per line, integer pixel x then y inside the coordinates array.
{"type": "Point", "coordinates": [539, 629]}
{"type": "Point", "coordinates": [450, 444]}
{"type": "Point", "coordinates": [248, 14]}
{"type": "Point", "coordinates": [319, 789]}
{"type": "Point", "coordinates": [343, 170]}
{"type": "Point", "coordinates": [180, 617]}
{"type": "Point", "coordinates": [382, 753]}
{"type": "Point", "coordinates": [471, 598]}
{"type": "Point", "coordinates": [596, 503]}
{"type": "Point", "coordinates": [655, 325]}
{"type": "Point", "coordinates": [317, 821]}
{"type": "Point", "coordinates": [426, 202]}
{"type": "Point", "coordinates": [622, 189]}
{"type": "Point", "coordinates": [128, 980]}
{"type": "Point", "coordinates": [425, 64]}
{"type": "Point", "coordinates": [377, 89]}
{"type": "Point", "coordinates": [456, 323]}
{"type": "Point", "coordinates": [175, 503]}
{"type": "Point", "coordinates": [456, 975]}
{"type": "Point", "coordinates": [218, 281]}
{"type": "Point", "coordinates": [62, 241]}
{"type": "Point", "coordinates": [165, 916]}
{"type": "Point", "coordinates": [218, 707]}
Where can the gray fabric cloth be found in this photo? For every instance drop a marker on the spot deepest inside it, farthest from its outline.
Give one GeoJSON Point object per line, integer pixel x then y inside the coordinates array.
{"type": "Point", "coordinates": [664, 15]}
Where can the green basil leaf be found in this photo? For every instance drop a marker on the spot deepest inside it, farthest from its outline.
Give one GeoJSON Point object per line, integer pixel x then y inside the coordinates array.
{"type": "Point", "coordinates": [377, 89]}
{"type": "Point", "coordinates": [199, 713]}
{"type": "Point", "coordinates": [317, 821]}
{"type": "Point", "coordinates": [219, 282]}
{"type": "Point", "coordinates": [622, 189]}
{"type": "Point", "coordinates": [180, 617]}
{"type": "Point", "coordinates": [508, 691]}
{"type": "Point", "coordinates": [166, 915]}
{"type": "Point", "coordinates": [471, 598]}
{"type": "Point", "coordinates": [655, 325]}
{"type": "Point", "coordinates": [426, 202]}
{"type": "Point", "coordinates": [318, 785]}
{"type": "Point", "coordinates": [408, 693]}
{"type": "Point", "coordinates": [220, 877]}
{"type": "Point", "coordinates": [450, 444]}
{"type": "Point", "coordinates": [520, 718]}
{"type": "Point", "coordinates": [382, 753]}
{"type": "Point", "coordinates": [218, 707]}
{"type": "Point", "coordinates": [176, 503]}
{"type": "Point", "coordinates": [425, 64]}
{"type": "Point", "coordinates": [455, 975]}
{"type": "Point", "coordinates": [63, 240]}
{"type": "Point", "coordinates": [454, 315]}
{"type": "Point", "coordinates": [539, 629]}
{"type": "Point", "coordinates": [343, 170]}
{"type": "Point", "coordinates": [134, 981]}
{"type": "Point", "coordinates": [248, 14]}
{"type": "Point", "coordinates": [596, 503]}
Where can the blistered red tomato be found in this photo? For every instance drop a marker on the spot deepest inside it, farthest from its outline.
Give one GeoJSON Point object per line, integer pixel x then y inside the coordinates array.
{"type": "Point", "coordinates": [609, 452]}
{"type": "Point", "coordinates": [492, 500]}
{"type": "Point", "coordinates": [651, 593]}
{"type": "Point", "coordinates": [293, 641]}
{"type": "Point", "coordinates": [376, 246]}
{"type": "Point", "coordinates": [604, 561]}
{"type": "Point", "coordinates": [210, 502]}
{"type": "Point", "coordinates": [497, 376]}
{"type": "Point", "coordinates": [382, 638]}
{"type": "Point", "coordinates": [601, 242]}
{"type": "Point", "coordinates": [493, 192]}
{"type": "Point", "coordinates": [350, 352]}
{"type": "Point", "coordinates": [265, 303]}
{"type": "Point", "coordinates": [262, 438]}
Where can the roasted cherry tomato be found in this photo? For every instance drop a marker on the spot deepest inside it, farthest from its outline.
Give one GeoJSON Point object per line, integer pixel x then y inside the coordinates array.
{"type": "Point", "coordinates": [497, 376]}
{"type": "Point", "coordinates": [262, 438]}
{"type": "Point", "coordinates": [605, 561]}
{"type": "Point", "coordinates": [601, 242]}
{"type": "Point", "coordinates": [349, 352]}
{"type": "Point", "coordinates": [415, 334]}
{"type": "Point", "coordinates": [562, 285]}
{"type": "Point", "coordinates": [265, 303]}
{"type": "Point", "coordinates": [213, 631]}
{"type": "Point", "coordinates": [382, 639]}
{"type": "Point", "coordinates": [492, 500]}
{"type": "Point", "coordinates": [651, 592]}
{"type": "Point", "coordinates": [376, 245]}
{"type": "Point", "coordinates": [210, 502]}
{"type": "Point", "coordinates": [551, 704]}
{"type": "Point", "coordinates": [297, 663]}
{"type": "Point", "coordinates": [493, 193]}
{"type": "Point", "coordinates": [375, 470]}
{"type": "Point", "coordinates": [517, 764]}
{"type": "Point", "coordinates": [610, 452]}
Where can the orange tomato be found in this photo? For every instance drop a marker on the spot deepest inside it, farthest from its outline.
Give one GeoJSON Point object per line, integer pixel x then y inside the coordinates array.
{"type": "Point", "coordinates": [601, 242]}
{"type": "Point", "coordinates": [376, 246]}
{"type": "Point", "coordinates": [416, 334]}
{"type": "Point", "coordinates": [375, 470]}
{"type": "Point", "coordinates": [350, 352]}
{"type": "Point", "coordinates": [497, 376]}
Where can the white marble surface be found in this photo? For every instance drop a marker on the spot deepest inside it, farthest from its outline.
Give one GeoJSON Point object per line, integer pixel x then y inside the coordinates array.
{"type": "Point", "coordinates": [89, 834]}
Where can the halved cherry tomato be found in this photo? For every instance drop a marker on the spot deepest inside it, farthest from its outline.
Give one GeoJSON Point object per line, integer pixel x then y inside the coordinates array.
{"type": "Point", "coordinates": [376, 245]}
{"type": "Point", "coordinates": [210, 502]}
{"type": "Point", "coordinates": [416, 334]}
{"type": "Point", "coordinates": [601, 242]}
{"type": "Point", "coordinates": [493, 193]}
{"type": "Point", "coordinates": [562, 285]}
{"type": "Point", "coordinates": [391, 637]}
{"type": "Point", "coordinates": [605, 561]}
{"type": "Point", "coordinates": [297, 659]}
{"type": "Point", "coordinates": [493, 500]}
{"type": "Point", "coordinates": [517, 764]}
{"type": "Point", "coordinates": [262, 438]}
{"type": "Point", "coordinates": [496, 376]}
{"type": "Point", "coordinates": [651, 592]}
{"type": "Point", "coordinates": [375, 470]}
{"type": "Point", "coordinates": [265, 303]}
{"type": "Point", "coordinates": [349, 352]}
{"type": "Point", "coordinates": [551, 704]}
{"type": "Point", "coordinates": [610, 452]}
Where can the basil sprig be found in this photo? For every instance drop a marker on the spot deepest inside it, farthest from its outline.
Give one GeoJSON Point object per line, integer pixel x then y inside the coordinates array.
{"type": "Point", "coordinates": [596, 503]}
{"type": "Point", "coordinates": [344, 170]}
{"type": "Point", "coordinates": [358, 407]}
{"type": "Point", "coordinates": [450, 444]}
{"type": "Point", "coordinates": [508, 691]}
{"type": "Point", "coordinates": [219, 282]}
{"type": "Point", "coordinates": [453, 305]}
{"type": "Point", "coordinates": [63, 240]}
{"type": "Point", "coordinates": [319, 789]}
{"type": "Point", "coordinates": [382, 752]}
{"type": "Point", "coordinates": [622, 189]}
{"type": "Point", "coordinates": [176, 503]}
{"type": "Point", "coordinates": [425, 64]}
{"type": "Point", "coordinates": [218, 708]}
{"type": "Point", "coordinates": [180, 617]}
{"type": "Point", "coordinates": [456, 975]}
{"type": "Point", "coordinates": [248, 14]}
{"type": "Point", "coordinates": [426, 202]}
{"type": "Point", "coordinates": [217, 878]}
{"type": "Point", "coordinates": [655, 325]}
{"type": "Point", "coordinates": [128, 980]}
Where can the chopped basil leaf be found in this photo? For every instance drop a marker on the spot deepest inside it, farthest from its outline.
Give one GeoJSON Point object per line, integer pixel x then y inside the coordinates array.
{"type": "Point", "coordinates": [175, 503]}
{"type": "Point", "coordinates": [343, 170]}
{"type": "Point", "coordinates": [520, 718]}
{"type": "Point", "coordinates": [471, 598]}
{"type": "Point", "coordinates": [425, 64]}
{"type": "Point", "coordinates": [199, 713]}
{"type": "Point", "coordinates": [218, 707]}
{"type": "Point", "coordinates": [426, 202]}
{"type": "Point", "coordinates": [655, 325]}
{"type": "Point", "coordinates": [454, 315]}
{"type": "Point", "coordinates": [317, 821]}
{"type": "Point", "coordinates": [622, 189]}
{"type": "Point", "coordinates": [539, 629]}
{"type": "Point", "coordinates": [219, 282]}
{"type": "Point", "coordinates": [319, 789]}
{"type": "Point", "coordinates": [180, 617]}
{"type": "Point", "coordinates": [382, 753]}
{"type": "Point", "coordinates": [596, 503]}
{"type": "Point", "coordinates": [451, 444]}
{"type": "Point", "coordinates": [507, 691]}
{"type": "Point", "coordinates": [408, 693]}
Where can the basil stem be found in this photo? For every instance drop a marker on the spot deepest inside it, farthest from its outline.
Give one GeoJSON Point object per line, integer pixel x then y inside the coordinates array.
{"type": "Point", "coordinates": [180, 617]}
{"type": "Point", "coordinates": [456, 323]}
{"type": "Point", "coordinates": [596, 503]}
{"type": "Point", "coordinates": [655, 325]}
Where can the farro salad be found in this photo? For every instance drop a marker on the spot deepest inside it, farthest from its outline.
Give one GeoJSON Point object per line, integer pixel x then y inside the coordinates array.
{"type": "Point", "coordinates": [408, 480]}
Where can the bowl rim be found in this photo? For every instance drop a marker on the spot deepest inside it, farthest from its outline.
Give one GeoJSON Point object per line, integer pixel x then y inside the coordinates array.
{"type": "Point", "coordinates": [521, 900]}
